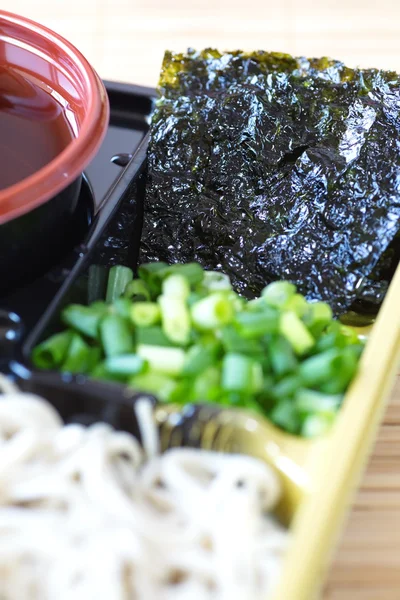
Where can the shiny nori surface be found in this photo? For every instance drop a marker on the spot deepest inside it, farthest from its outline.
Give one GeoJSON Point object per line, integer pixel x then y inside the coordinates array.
{"type": "Point", "coordinates": [270, 167]}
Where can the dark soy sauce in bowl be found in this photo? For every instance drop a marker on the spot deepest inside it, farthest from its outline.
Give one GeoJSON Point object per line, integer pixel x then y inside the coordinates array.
{"type": "Point", "coordinates": [34, 126]}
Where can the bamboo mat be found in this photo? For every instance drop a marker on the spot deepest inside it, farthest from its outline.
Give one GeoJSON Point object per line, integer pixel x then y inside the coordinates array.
{"type": "Point", "coordinates": [125, 40]}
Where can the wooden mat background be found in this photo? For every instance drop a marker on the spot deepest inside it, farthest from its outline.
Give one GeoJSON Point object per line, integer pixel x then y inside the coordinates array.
{"type": "Point", "coordinates": [125, 40]}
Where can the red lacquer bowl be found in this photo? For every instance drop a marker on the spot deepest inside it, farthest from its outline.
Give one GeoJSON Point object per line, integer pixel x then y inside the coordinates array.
{"type": "Point", "coordinates": [35, 211]}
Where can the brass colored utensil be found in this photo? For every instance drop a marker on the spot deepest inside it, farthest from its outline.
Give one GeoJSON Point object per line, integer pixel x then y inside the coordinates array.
{"type": "Point", "coordinates": [212, 427]}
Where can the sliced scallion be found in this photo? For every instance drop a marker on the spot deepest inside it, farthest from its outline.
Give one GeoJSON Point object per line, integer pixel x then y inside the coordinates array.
{"type": "Point", "coordinates": [257, 324]}
{"type": "Point", "coordinates": [285, 415]}
{"type": "Point", "coordinates": [97, 283]}
{"type": "Point", "coordinates": [319, 368]}
{"type": "Point", "coordinates": [278, 293]}
{"type": "Point", "coordinates": [137, 290]}
{"type": "Point", "coordinates": [240, 374]}
{"type": "Point", "coordinates": [176, 286]}
{"type": "Point", "coordinates": [122, 307]}
{"type": "Point", "coordinates": [152, 336]}
{"type": "Point", "coordinates": [206, 387]}
{"type": "Point", "coordinates": [85, 319]}
{"type": "Point", "coordinates": [311, 401]}
{"type": "Point", "coordinates": [116, 335]}
{"type": "Point", "coordinates": [118, 278]}
{"type": "Point", "coordinates": [175, 319]}
{"type": "Point", "coordinates": [80, 357]}
{"type": "Point", "coordinates": [169, 361]}
{"type": "Point", "coordinates": [145, 314]}
{"type": "Point", "coordinates": [316, 425]}
{"type": "Point", "coordinates": [51, 353]}
{"type": "Point", "coordinates": [214, 281]}
{"type": "Point", "coordinates": [296, 333]}
{"type": "Point", "coordinates": [281, 355]}
{"type": "Point", "coordinates": [199, 358]}
{"type": "Point", "coordinates": [124, 364]}
{"type": "Point", "coordinates": [213, 311]}
{"type": "Point", "coordinates": [155, 383]}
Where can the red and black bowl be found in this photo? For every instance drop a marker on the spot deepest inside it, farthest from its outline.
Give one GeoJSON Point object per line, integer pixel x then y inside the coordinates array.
{"type": "Point", "coordinates": [35, 212]}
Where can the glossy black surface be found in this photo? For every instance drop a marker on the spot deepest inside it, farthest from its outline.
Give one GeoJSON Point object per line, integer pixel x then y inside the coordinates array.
{"type": "Point", "coordinates": [104, 227]}
{"type": "Point", "coordinates": [79, 400]}
{"type": "Point", "coordinates": [272, 167]}
{"type": "Point", "coordinates": [32, 243]}
{"type": "Point", "coordinates": [108, 197]}
{"type": "Point", "coordinates": [30, 301]}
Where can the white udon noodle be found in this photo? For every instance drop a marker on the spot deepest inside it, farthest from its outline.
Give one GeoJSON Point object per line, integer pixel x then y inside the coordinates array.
{"type": "Point", "coordinates": [86, 514]}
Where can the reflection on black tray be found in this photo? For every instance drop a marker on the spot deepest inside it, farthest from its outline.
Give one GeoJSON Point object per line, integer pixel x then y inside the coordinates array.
{"type": "Point", "coordinates": [106, 183]}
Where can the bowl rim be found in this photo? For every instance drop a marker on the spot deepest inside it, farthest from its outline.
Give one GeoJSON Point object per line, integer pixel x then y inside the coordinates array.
{"type": "Point", "coordinates": [29, 193]}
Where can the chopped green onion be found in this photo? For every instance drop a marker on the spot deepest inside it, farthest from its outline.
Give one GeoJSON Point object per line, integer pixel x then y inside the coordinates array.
{"type": "Point", "coordinates": [80, 358]}
{"type": "Point", "coordinates": [199, 358]}
{"type": "Point", "coordinates": [118, 279]}
{"type": "Point", "coordinates": [287, 387]}
{"type": "Point", "coordinates": [175, 319]}
{"type": "Point", "coordinates": [212, 311]}
{"type": "Point", "coordinates": [257, 324]}
{"type": "Point", "coordinates": [258, 304]}
{"type": "Point", "coordinates": [186, 336]}
{"type": "Point", "coordinates": [318, 316]}
{"type": "Point", "coordinates": [345, 367]}
{"type": "Point", "coordinates": [85, 319]}
{"type": "Point", "coordinates": [150, 269]}
{"type": "Point", "coordinates": [99, 371]}
{"type": "Point", "coordinates": [155, 383]}
{"type": "Point", "coordinates": [310, 401]}
{"type": "Point", "coordinates": [181, 393]}
{"type": "Point", "coordinates": [116, 336]}
{"type": "Point", "coordinates": [97, 283]}
{"type": "Point", "coordinates": [51, 353]}
{"type": "Point", "coordinates": [281, 356]}
{"type": "Point", "coordinates": [330, 339]}
{"type": "Point", "coordinates": [320, 312]}
{"type": "Point", "coordinates": [232, 341]}
{"type": "Point", "coordinates": [176, 286]}
{"type": "Point", "coordinates": [319, 368]}
{"type": "Point", "coordinates": [339, 336]}
{"type": "Point", "coordinates": [316, 425]}
{"type": "Point", "coordinates": [169, 361]}
{"type": "Point", "coordinates": [257, 378]}
{"type": "Point", "coordinates": [152, 336]}
{"type": "Point", "coordinates": [137, 290]}
{"type": "Point", "coordinates": [215, 281]}
{"type": "Point", "coordinates": [296, 333]}
{"type": "Point", "coordinates": [266, 394]}
{"type": "Point", "coordinates": [125, 364]}
{"type": "Point", "coordinates": [241, 374]}
{"type": "Point", "coordinates": [348, 334]}
{"type": "Point", "coordinates": [152, 275]}
{"type": "Point", "coordinates": [285, 415]}
{"type": "Point", "coordinates": [297, 304]}
{"type": "Point", "coordinates": [206, 386]}
{"type": "Point", "coordinates": [236, 399]}
{"type": "Point", "coordinates": [193, 298]}
{"type": "Point", "coordinates": [192, 272]}
{"type": "Point", "coordinates": [277, 294]}
{"type": "Point", "coordinates": [238, 303]}
{"type": "Point", "coordinates": [145, 314]}
{"type": "Point", "coordinates": [122, 307]}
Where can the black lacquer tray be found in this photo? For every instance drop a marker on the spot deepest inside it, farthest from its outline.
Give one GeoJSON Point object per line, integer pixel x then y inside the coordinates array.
{"type": "Point", "coordinates": [106, 229]}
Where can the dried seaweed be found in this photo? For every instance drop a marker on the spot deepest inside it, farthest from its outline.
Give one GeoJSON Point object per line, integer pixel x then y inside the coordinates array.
{"type": "Point", "coordinates": [269, 167]}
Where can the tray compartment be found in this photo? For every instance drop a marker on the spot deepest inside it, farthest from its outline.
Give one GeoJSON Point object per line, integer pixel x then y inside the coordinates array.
{"type": "Point", "coordinates": [318, 476]}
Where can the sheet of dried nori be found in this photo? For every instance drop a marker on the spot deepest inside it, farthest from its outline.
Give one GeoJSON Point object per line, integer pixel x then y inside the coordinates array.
{"type": "Point", "coordinates": [269, 167]}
